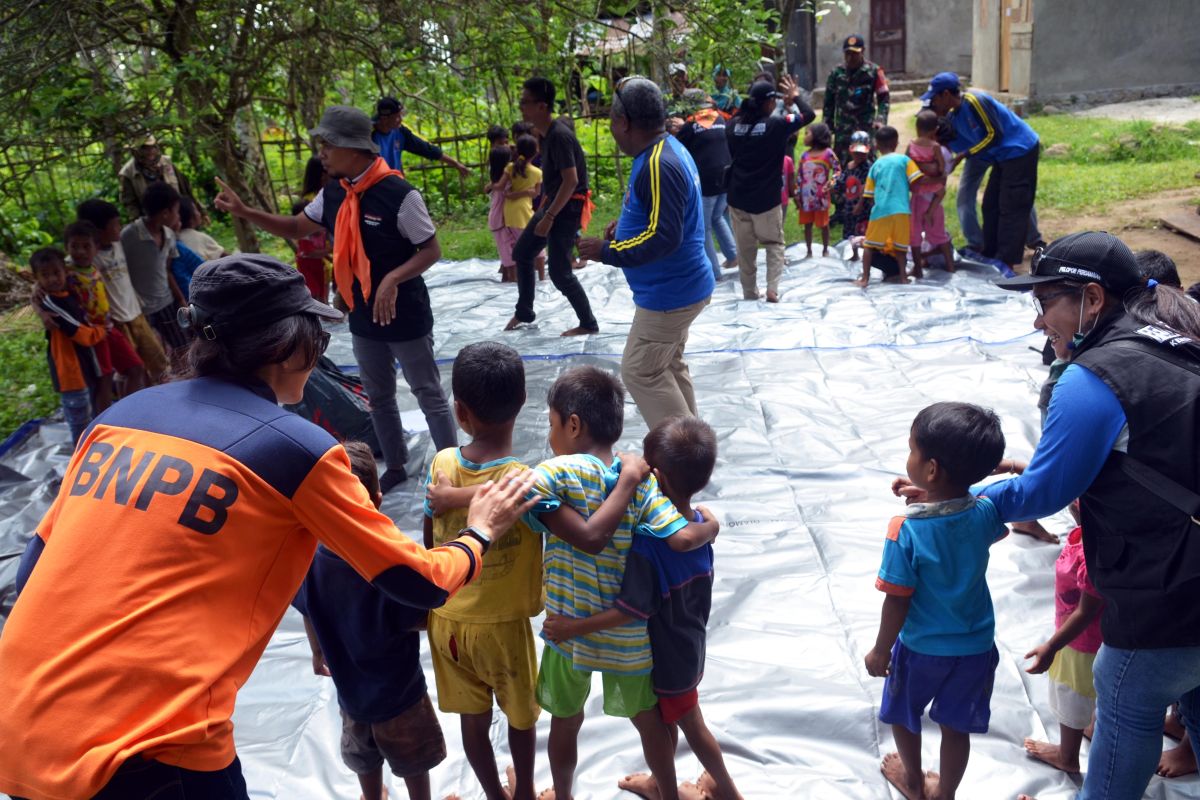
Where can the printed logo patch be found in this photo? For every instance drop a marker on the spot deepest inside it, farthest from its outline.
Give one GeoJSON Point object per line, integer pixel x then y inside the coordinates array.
{"type": "Point", "coordinates": [372, 220]}
{"type": "Point", "coordinates": [1162, 335]}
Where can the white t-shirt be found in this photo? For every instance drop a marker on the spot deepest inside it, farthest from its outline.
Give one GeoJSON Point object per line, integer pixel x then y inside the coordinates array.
{"type": "Point", "coordinates": [123, 303]}
{"type": "Point", "coordinates": [201, 243]}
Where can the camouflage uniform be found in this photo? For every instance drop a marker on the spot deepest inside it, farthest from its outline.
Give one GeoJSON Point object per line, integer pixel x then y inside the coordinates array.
{"type": "Point", "coordinates": [853, 101]}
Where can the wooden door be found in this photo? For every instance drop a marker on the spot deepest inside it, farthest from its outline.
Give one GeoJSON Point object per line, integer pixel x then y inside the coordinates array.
{"type": "Point", "coordinates": [1016, 29]}
{"type": "Point", "coordinates": [887, 35]}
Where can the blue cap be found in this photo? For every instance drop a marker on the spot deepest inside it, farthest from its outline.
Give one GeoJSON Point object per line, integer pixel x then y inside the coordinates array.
{"type": "Point", "coordinates": [940, 83]}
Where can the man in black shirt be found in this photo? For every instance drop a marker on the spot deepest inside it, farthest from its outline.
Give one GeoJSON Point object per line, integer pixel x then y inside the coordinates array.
{"type": "Point", "coordinates": [757, 142]}
{"type": "Point", "coordinates": [703, 134]}
{"type": "Point", "coordinates": [555, 225]}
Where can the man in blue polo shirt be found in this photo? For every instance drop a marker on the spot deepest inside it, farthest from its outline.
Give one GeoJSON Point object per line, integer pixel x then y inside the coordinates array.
{"type": "Point", "coordinates": [988, 131]}
{"type": "Point", "coordinates": [395, 138]}
{"type": "Point", "coordinates": [659, 243]}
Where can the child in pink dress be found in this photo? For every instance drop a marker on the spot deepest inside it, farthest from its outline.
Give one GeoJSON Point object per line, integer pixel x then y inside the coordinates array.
{"type": "Point", "coordinates": [498, 159]}
{"type": "Point", "coordinates": [1069, 655]}
{"type": "Point", "coordinates": [819, 169]}
{"type": "Point", "coordinates": [928, 219]}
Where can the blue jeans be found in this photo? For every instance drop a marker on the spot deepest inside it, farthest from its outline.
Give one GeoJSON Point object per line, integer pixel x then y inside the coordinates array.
{"type": "Point", "coordinates": [77, 410]}
{"type": "Point", "coordinates": [970, 178]}
{"type": "Point", "coordinates": [715, 222]}
{"type": "Point", "coordinates": [1133, 689]}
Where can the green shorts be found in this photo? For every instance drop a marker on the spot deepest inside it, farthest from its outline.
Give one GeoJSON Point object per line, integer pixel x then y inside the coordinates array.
{"type": "Point", "coordinates": [562, 690]}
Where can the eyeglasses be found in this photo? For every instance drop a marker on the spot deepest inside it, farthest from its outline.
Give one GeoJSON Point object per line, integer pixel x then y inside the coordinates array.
{"type": "Point", "coordinates": [323, 342]}
{"type": "Point", "coordinates": [1039, 303]}
{"type": "Point", "coordinates": [1053, 266]}
{"type": "Point", "coordinates": [622, 82]}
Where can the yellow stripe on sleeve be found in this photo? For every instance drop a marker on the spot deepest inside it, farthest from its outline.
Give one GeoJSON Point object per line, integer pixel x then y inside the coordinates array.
{"type": "Point", "coordinates": [652, 228]}
{"type": "Point", "coordinates": [987, 123]}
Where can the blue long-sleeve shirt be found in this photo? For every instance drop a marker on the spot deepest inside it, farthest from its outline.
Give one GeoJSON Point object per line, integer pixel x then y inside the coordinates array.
{"type": "Point", "coordinates": [393, 144]}
{"type": "Point", "coordinates": [1083, 424]}
{"type": "Point", "coordinates": [989, 131]}
{"type": "Point", "coordinates": [660, 235]}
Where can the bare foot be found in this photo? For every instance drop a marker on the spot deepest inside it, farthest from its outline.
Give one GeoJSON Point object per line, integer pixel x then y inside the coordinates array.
{"type": "Point", "coordinates": [1052, 754]}
{"type": "Point", "coordinates": [513, 324]}
{"type": "Point", "coordinates": [708, 785]}
{"type": "Point", "coordinates": [1026, 797]}
{"type": "Point", "coordinates": [750, 295]}
{"type": "Point", "coordinates": [809, 253]}
{"type": "Point", "coordinates": [642, 784]}
{"type": "Point", "coordinates": [730, 263]}
{"type": "Point", "coordinates": [860, 283]}
{"type": "Point", "coordinates": [1176, 762]}
{"type": "Point", "coordinates": [772, 296]}
{"type": "Point", "coordinates": [1034, 528]}
{"type": "Point", "coordinates": [690, 791]}
{"type": "Point", "coordinates": [1173, 726]}
{"type": "Point", "coordinates": [824, 252]}
{"type": "Point", "coordinates": [893, 769]}
{"type": "Point", "coordinates": [510, 791]}
{"type": "Point", "coordinates": [383, 795]}
{"type": "Point", "coordinates": [547, 794]}
{"type": "Point", "coordinates": [578, 331]}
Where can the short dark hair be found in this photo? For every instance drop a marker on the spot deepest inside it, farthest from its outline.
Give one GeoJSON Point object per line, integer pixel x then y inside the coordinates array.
{"type": "Point", "coordinates": [887, 136]}
{"type": "Point", "coordinates": [821, 135]}
{"type": "Point", "coordinates": [945, 132]}
{"type": "Point", "coordinates": [489, 379]}
{"type": "Point", "coordinates": [362, 464]}
{"type": "Point", "coordinates": [79, 229]}
{"type": "Point", "coordinates": [684, 450]}
{"type": "Point", "coordinates": [541, 89]}
{"type": "Point", "coordinates": [46, 257]}
{"type": "Point", "coordinates": [187, 212]}
{"type": "Point", "coordinates": [1153, 264]}
{"type": "Point", "coordinates": [496, 132]}
{"type": "Point", "coordinates": [241, 354]}
{"type": "Point", "coordinates": [965, 440]}
{"type": "Point", "coordinates": [927, 121]}
{"type": "Point", "coordinates": [98, 212]}
{"type": "Point", "coordinates": [595, 396]}
{"type": "Point", "coordinates": [159, 196]}
{"type": "Point", "coordinates": [521, 127]}
{"type": "Point", "coordinates": [1193, 291]}
{"type": "Point", "coordinates": [499, 158]}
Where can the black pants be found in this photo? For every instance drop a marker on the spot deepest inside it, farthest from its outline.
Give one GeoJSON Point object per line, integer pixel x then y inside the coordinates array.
{"type": "Point", "coordinates": [559, 245]}
{"type": "Point", "coordinates": [1006, 205]}
{"type": "Point", "coordinates": [143, 779]}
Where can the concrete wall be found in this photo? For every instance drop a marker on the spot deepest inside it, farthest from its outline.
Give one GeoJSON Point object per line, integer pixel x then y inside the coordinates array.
{"type": "Point", "coordinates": [1107, 46]}
{"type": "Point", "coordinates": [939, 36]}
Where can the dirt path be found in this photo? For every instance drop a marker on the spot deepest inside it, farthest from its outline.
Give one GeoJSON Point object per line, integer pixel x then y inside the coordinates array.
{"type": "Point", "coordinates": [1136, 222]}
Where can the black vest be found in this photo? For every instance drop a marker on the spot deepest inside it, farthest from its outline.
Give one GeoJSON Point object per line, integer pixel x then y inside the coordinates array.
{"type": "Point", "coordinates": [1143, 554]}
{"type": "Point", "coordinates": [386, 249]}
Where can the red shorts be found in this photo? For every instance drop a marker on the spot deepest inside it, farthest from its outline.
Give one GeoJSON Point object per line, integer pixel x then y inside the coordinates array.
{"type": "Point", "coordinates": [677, 706]}
{"type": "Point", "coordinates": [818, 218]}
{"type": "Point", "coordinates": [116, 354]}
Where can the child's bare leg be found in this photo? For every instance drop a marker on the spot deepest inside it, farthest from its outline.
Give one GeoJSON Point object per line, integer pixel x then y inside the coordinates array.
{"type": "Point", "coordinates": [563, 751]}
{"type": "Point", "coordinates": [477, 746]}
{"type": "Point", "coordinates": [866, 265]}
{"type": "Point", "coordinates": [1064, 755]}
{"type": "Point", "coordinates": [1034, 528]}
{"type": "Point", "coordinates": [903, 768]}
{"type": "Point", "coordinates": [1181, 760]}
{"type": "Point", "coordinates": [659, 752]}
{"type": "Point", "coordinates": [540, 263]}
{"type": "Point", "coordinates": [808, 237]}
{"type": "Point", "coordinates": [853, 251]}
{"type": "Point", "coordinates": [418, 787]}
{"type": "Point", "coordinates": [372, 785]}
{"type": "Point", "coordinates": [825, 242]}
{"type": "Point", "coordinates": [708, 751]}
{"type": "Point", "coordinates": [956, 751]}
{"type": "Point", "coordinates": [523, 746]}
{"type": "Point", "coordinates": [947, 255]}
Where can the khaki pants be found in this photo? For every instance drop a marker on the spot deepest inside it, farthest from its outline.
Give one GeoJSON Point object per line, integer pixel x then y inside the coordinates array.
{"type": "Point", "coordinates": [653, 367]}
{"type": "Point", "coordinates": [751, 230]}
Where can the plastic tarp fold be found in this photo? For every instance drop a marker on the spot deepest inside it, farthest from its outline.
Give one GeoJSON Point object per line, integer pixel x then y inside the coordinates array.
{"type": "Point", "coordinates": [812, 400]}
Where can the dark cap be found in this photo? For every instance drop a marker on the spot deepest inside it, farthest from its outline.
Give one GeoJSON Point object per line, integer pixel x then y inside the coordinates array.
{"type": "Point", "coordinates": [388, 105]}
{"type": "Point", "coordinates": [763, 90]}
{"type": "Point", "coordinates": [1087, 257]}
{"type": "Point", "coordinates": [346, 126]}
{"type": "Point", "coordinates": [246, 291]}
{"type": "Point", "coordinates": [940, 83]}
{"type": "Point", "coordinates": [853, 43]}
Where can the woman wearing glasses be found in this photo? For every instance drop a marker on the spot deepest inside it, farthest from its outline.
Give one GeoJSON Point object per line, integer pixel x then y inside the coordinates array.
{"type": "Point", "coordinates": [185, 524]}
{"type": "Point", "coordinates": [1123, 435]}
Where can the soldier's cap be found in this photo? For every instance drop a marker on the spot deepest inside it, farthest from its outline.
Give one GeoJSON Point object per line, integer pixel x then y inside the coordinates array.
{"type": "Point", "coordinates": [247, 291]}
{"type": "Point", "coordinates": [940, 83]}
{"type": "Point", "coordinates": [1086, 257]}
{"type": "Point", "coordinates": [145, 140]}
{"type": "Point", "coordinates": [763, 90]}
{"type": "Point", "coordinates": [346, 126]}
{"type": "Point", "coordinates": [853, 44]}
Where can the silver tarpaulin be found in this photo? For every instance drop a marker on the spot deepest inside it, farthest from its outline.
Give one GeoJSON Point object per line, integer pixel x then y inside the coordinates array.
{"type": "Point", "coordinates": [812, 400]}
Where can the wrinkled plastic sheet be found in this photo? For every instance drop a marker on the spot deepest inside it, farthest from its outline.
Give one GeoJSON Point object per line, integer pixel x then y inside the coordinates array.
{"type": "Point", "coordinates": [812, 400]}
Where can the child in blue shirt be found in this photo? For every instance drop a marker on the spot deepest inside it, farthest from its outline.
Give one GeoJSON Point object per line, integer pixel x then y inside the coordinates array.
{"type": "Point", "coordinates": [936, 636]}
{"type": "Point", "coordinates": [672, 591]}
{"type": "Point", "coordinates": [888, 182]}
{"type": "Point", "coordinates": [369, 645]}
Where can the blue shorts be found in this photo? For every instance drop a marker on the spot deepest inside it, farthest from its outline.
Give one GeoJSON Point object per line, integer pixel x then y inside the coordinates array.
{"type": "Point", "coordinates": [960, 688]}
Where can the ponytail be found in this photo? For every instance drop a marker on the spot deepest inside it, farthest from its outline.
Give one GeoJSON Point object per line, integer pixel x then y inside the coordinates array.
{"type": "Point", "coordinates": [519, 165]}
{"type": "Point", "coordinates": [1166, 306]}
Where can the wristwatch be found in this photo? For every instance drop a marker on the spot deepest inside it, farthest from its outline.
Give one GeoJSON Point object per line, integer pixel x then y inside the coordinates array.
{"type": "Point", "coordinates": [478, 536]}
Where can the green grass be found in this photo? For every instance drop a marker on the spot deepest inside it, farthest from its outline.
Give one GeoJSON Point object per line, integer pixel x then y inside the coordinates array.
{"type": "Point", "coordinates": [25, 380]}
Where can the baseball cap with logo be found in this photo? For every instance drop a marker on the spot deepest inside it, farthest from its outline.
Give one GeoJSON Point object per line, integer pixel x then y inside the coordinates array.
{"type": "Point", "coordinates": [346, 126]}
{"type": "Point", "coordinates": [853, 43]}
{"type": "Point", "coordinates": [940, 83]}
{"type": "Point", "coordinates": [1087, 257]}
{"type": "Point", "coordinates": [386, 106]}
{"type": "Point", "coordinates": [763, 90]}
{"type": "Point", "coordinates": [860, 142]}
